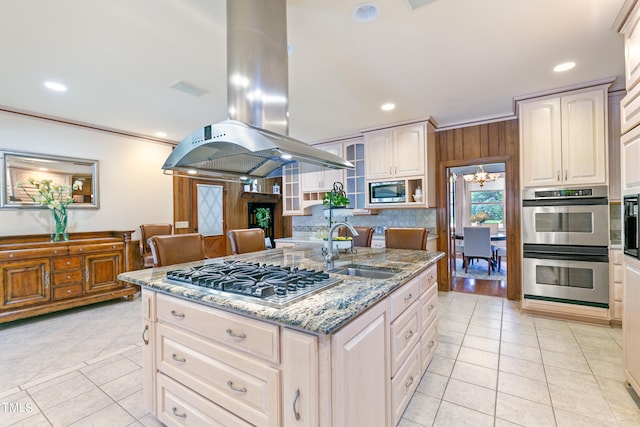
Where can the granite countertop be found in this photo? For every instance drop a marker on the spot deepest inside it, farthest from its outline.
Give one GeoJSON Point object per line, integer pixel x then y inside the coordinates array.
{"type": "Point", "coordinates": [317, 240]}
{"type": "Point", "coordinates": [321, 313]}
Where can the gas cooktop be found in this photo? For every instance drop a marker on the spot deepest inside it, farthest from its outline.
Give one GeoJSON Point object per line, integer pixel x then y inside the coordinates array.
{"type": "Point", "coordinates": [271, 285]}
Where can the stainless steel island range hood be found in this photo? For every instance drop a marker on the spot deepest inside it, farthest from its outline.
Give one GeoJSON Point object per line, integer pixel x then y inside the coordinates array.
{"type": "Point", "coordinates": [253, 141]}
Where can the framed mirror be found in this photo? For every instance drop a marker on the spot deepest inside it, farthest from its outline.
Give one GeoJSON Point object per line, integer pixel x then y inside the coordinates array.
{"type": "Point", "coordinates": [79, 176]}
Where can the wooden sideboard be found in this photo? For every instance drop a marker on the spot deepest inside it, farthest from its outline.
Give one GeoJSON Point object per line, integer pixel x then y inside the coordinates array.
{"type": "Point", "coordinates": [38, 276]}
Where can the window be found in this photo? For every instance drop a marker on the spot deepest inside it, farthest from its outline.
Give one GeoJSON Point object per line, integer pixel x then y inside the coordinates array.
{"type": "Point", "coordinates": [487, 204]}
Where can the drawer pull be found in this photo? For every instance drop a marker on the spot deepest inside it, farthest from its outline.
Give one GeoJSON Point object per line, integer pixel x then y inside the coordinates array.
{"type": "Point", "coordinates": [174, 410]}
{"type": "Point", "coordinates": [431, 307]}
{"type": "Point", "coordinates": [409, 334]}
{"type": "Point", "coordinates": [145, 340]}
{"type": "Point", "coordinates": [234, 335]}
{"type": "Point", "coordinates": [296, 396]}
{"type": "Point", "coordinates": [178, 359]}
{"type": "Point", "coordinates": [408, 297]}
{"type": "Point", "coordinates": [68, 262]}
{"type": "Point", "coordinates": [431, 278]}
{"type": "Point", "coordinates": [176, 314]}
{"type": "Point", "coordinates": [408, 384]}
{"type": "Point", "coordinates": [239, 390]}
{"type": "Point", "coordinates": [431, 344]}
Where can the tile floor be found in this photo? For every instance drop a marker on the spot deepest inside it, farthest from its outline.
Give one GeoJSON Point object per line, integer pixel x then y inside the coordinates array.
{"type": "Point", "coordinates": [494, 367]}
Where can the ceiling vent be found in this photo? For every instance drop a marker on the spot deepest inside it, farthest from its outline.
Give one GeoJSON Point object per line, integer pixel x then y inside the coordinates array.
{"type": "Point", "coordinates": [189, 88]}
{"type": "Point", "coordinates": [414, 4]}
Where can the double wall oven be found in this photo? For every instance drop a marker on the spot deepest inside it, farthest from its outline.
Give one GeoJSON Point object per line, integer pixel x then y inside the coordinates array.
{"type": "Point", "coordinates": [565, 232]}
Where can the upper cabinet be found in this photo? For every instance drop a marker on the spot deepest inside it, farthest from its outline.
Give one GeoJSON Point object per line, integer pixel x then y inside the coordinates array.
{"type": "Point", "coordinates": [564, 139]}
{"type": "Point", "coordinates": [317, 178]}
{"type": "Point", "coordinates": [396, 152]}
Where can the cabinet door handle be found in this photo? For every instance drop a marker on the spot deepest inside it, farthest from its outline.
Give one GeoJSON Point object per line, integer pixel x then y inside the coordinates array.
{"type": "Point", "coordinates": [46, 279]}
{"type": "Point", "coordinates": [408, 297]}
{"type": "Point", "coordinates": [430, 307]}
{"type": "Point", "coordinates": [408, 384]}
{"type": "Point", "coordinates": [176, 314]}
{"type": "Point", "coordinates": [409, 334]}
{"type": "Point", "coordinates": [566, 174]}
{"type": "Point", "coordinates": [234, 335]}
{"type": "Point", "coordinates": [86, 274]}
{"type": "Point", "coordinates": [145, 340]}
{"type": "Point", "coordinates": [431, 344]}
{"type": "Point", "coordinates": [431, 279]}
{"type": "Point", "coordinates": [239, 390]}
{"type": "Point", "coordinates": [558, 175]}
{"type": "Point", "coordinates": [178, 359]}
{"type": "Point", "coordinates": [296, 396]}
{"type": "Point", "coordinates": [174, 410]}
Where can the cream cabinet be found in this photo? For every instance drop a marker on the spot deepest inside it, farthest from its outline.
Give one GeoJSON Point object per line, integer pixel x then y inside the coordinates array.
{"type": "Point", "coordinates": [616, 272]}
{"type": "Point", "coordinates": [316, 178]}
{"type": "Point", "coordinates": [396, 152]}
{"type": "Point", "coordinates": [630, 154]}
{"type": "Point", "coordinates": [630, 321]}
{"type": "Point", "coordinates": [564, 139]}
{"type": "Point", "coordinates": [291, 190]}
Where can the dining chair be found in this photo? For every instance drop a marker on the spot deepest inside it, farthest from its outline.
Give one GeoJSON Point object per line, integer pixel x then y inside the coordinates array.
{"type": "Point", "coordinates": [176, 248]}
{"type": "Point", "coordinates": [501, 252]}
{"type": "Point", "coordinates": [406, 238]}
{"type": "Point", "coordinates": [364, 237]}
{"type": "Point", "coordinates": [247, 240]}
{"type": "Point", "coordinates": [477, 244]}
{"type": "Point", "coordinates": [147, 231]}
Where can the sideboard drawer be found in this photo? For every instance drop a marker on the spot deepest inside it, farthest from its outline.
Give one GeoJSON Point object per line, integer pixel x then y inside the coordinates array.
{"type": "Point", "coordinates": [67, 278]}
{"type": "Point", "coordinates": [67, 263]}
{"type": "Point", "coordinates": [234, 381]}
{"type": "Point", "coordinates": [64, 292]}
{"type": "Point", "coordinates": [243, 333]}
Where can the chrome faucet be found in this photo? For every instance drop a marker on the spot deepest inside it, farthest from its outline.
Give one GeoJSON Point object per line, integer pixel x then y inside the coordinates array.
{"type": "Point", "coordinates": [331, 256]}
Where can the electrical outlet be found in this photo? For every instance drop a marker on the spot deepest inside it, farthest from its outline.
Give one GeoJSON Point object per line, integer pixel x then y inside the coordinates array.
{"type": "Point", "coordinates": [182, 224]}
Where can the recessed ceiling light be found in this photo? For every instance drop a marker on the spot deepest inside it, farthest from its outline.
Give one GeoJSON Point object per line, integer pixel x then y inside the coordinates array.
{"type": "Point", "coordinates": [388, 106]}
{"type": "Point", "coordinates": [192, 172]}
{"type": "Point", "coordinates": [58, 87]}
{"type": "Point", "coordinates": [564, 67]}
{"type": "Point", "coordinates": [160, 134]}
{"type": "Point", "coordinates": [365, 12]}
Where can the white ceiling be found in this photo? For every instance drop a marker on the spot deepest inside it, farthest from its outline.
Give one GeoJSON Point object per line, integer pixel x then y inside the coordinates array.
{"type": "Point", "coordinates": [454, 60]}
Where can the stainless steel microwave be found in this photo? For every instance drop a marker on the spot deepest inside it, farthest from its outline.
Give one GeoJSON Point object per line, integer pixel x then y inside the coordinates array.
{"type": "Point", "coordinates": [387, 192]}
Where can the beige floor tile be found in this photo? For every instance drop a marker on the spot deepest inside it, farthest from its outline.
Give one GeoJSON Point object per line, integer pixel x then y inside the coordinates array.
{"type": "Point", "coordinates": [523, 412]}
{"type": "Point", "coordinates": [78, 407]}
{"type": "Point", "coordinates": [441, 365]}
{"type": "Point", "coordinates": [559, 345]}
{"type": "Point", "coordinates": [563, 333]}
{"type": "Point", "coordinates": [135, 355]}
{"type": "Point", "coordinates": [572, 362]}
{"type": "Point", "coordinates": [109, 369]}
{"type": "Point", "coordinates": [581, 403]}
{"type": "Point", "coordinates": [520, 338]}
{"type": "Point", "coordinates": [474, 374]}
{"type": "Point", "coordinates": [570, 419]}
{"type": "Point", "coordinates": [487, 323]}
{"type": "Point", "coordinates": [478, 357]}
{"type": "Point", "coordinates": [618, 396]}
{"type": "Point", "coordinates": [433, 384]}
{"type": "Point", "coordinates": [133, 404]}
{"type": "Point", "coordinates": [455, 317]}
{"type": "Point", "coordinates": [55, 392]}
{"type": "Point", "coordinates": [451, 414]}
{"type": "Point", "coordinates": [111, 416]}
{"type": "Point", "coordinates": [124, 386]}
{"type": "Point", "coordinates": [504, 423]}
{"type": "Point", "coordinates": [150, 421]}
{"type": "Point", "coordinates": [526, 388]}
{"type": "Point", "coordinates": [605, 355]}
{"type": "Point", "coordinates": [481, 343]}
{"type": "Point", "coordinates": [449, 326]}
{"type": "Point", "coordinates": [487, 314]}
{"type": "Point", "coordinates": [450, 337]}
{"type": "Point", "coordinates": [578, 381]}
{"type": "Point", "coordinates": [542, 322]}
{"type": "Point", "coordinates": [508, 325]}
{"type": "Point", "coordinates": [524, 368]}
{"type": "Point", "coordinates": [481, 331]}
{"type": "Point", "coordinates": [407, 423]}
{"type": "Point", "coordinates": [37, 420]}
{"type": "Point", "coordinates": [601, 369]}
{"type": "Point", "coordinates": [521, 352]}
{"type": "Point", "coordinates": [470, 396]}
{"type": "Point", "coordinates": [422, 409]}
{"type": "Point", "coordinates": [449, 350]}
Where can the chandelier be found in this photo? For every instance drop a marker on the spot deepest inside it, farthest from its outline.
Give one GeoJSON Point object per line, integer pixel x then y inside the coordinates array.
{"type": "Point", "coordinates": [481, 176]}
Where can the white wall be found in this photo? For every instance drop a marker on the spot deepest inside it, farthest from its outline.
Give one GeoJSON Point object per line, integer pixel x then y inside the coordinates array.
{"type": "Point", "coordinates": [132, 188]}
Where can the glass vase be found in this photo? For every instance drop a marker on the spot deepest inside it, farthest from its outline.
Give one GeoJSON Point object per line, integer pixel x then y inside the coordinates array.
{"type": "Point", "coordinates": [60, 232]}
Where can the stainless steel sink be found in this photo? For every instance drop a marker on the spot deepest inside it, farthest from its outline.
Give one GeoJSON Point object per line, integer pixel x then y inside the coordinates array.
{"type": "Point", "coordinates": [364, 271]}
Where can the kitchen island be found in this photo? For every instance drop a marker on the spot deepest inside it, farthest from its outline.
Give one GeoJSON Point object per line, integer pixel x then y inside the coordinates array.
{"type": "Point", "coordinates": [351, 354]}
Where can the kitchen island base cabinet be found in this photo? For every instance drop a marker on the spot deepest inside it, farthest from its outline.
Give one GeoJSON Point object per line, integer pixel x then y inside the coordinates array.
{"type": "Point", "coordinates": [212, 366]}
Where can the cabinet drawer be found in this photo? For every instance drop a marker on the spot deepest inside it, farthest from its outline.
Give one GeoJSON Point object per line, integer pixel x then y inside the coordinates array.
{"type": "Point", "coordinates": [618, 273]}
{"type": "Point", "coordinates": [67, 278]}
{"type": "Point", "coordinates": [66, 263]}
{"type": "Point", "coordinates": [232, 380]}
{"type": "Point", "coordinates": [617, 291]}
{"type": "Point", "coordinates": [97, 247]}
{"type": "Point", "coordinates": [617, 256]}
{"type": "Point", "coordinates": [428, 344]}
{"type": "Point", "coordinates": [428, 278]}
{"type": "Point", "coordinates": [405, 333]}
{"type": "Point", "coordinates": [428, 308]}
{"type": "Point", "coordinates": [404, 297]}
{"type": "Point", "coordinates": [64, 292]}
{"type": "Point", "coordinates": [404, 384]}
{"type": "Point", "coordinates": [179, 406]}
{"type": "Point", "coordinates": [243, 333]}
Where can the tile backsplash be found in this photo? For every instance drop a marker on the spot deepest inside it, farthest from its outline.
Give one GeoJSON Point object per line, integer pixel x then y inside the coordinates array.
{"type": "Point", "coordinates": [316, 222]}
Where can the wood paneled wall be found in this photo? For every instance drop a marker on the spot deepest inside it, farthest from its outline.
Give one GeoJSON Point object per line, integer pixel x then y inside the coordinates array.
{"type": "Point", "coordinates": [235, 209]}
{"type": "Point", "coordinates": [481, 144]}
